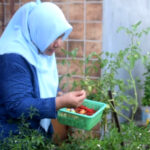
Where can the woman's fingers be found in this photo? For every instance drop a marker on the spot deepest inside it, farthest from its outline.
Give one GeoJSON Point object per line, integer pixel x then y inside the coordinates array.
{"type": "Point", "coordinates": [80, 97]}
{"type": "Point", "coordinates": [80, 93]}
{"type": "Point", "coordinates": [71, 99]}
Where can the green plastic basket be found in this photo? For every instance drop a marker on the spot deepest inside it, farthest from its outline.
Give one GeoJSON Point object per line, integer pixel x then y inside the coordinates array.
{"type": "Point", "coordinates": [82, 121]}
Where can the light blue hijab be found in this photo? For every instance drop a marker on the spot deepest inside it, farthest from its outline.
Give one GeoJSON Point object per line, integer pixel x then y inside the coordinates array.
{"type": "Point", "coordinates": [32, 29]}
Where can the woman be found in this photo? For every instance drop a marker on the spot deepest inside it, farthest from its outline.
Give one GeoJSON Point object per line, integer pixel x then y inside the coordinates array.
{"type": "Point", "coordinates": [28, 71]}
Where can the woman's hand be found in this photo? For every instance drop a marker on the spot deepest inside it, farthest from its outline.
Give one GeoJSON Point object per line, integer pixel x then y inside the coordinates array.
{"type": "Point", "coordinates": [70, 99]}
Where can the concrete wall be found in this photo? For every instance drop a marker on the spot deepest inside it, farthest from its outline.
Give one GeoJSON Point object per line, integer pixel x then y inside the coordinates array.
{"type": "Point", "coordinates": [118, 13]}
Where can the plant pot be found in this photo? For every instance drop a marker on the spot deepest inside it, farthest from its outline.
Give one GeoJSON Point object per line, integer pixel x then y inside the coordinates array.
{"type": "Point", "coordinates": [145, 112]}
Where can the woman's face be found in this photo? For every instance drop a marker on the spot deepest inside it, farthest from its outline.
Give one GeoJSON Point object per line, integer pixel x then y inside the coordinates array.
{"type": "Point", "coordinates": [56, 45]}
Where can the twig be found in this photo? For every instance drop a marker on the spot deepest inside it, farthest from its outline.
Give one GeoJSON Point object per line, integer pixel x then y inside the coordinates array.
{"type": "Point", "coordinates": [115, 116]}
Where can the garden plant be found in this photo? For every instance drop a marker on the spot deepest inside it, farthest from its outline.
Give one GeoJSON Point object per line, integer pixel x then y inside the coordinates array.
{"type": "Point", "coordinates": [146, 98]}
{"type": "Point", "coordinates": [111, 64]}
{"type": "Point", "coordinates": [145, 103]}
{"type": "Point", "coordinates": [124, 91]}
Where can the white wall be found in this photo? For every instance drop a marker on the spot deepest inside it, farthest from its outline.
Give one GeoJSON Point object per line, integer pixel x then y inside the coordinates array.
{"type": "Point", "coordinates": [118, 13]}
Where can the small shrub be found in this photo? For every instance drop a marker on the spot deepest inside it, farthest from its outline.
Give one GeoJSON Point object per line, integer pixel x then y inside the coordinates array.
{"type": "Point", "coordinates": [146, 98]}
{"type": "Point", "coordinates": [134, 138]}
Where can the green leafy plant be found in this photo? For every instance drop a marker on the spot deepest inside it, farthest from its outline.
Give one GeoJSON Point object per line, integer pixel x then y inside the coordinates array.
{"type": "Point", "coordinates": [124, 91]}
{"type": "Point", "coordinates": [134, 137]}
{"type": "Point", "coordinates": [111, 64]}
{"type": "Point", "coordinates": [146, 98]}
{"type": "Point", "coordinates": [27, 138]}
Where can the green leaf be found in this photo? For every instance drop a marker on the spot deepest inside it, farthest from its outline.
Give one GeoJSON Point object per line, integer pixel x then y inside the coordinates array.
{"type": "Point", "coordinates": [135, 26]}
{"type": "Point", "coordinates": [120, 29]}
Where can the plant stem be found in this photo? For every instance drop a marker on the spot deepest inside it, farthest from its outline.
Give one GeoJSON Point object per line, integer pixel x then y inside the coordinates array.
{"type": "Point", "coordinates": [120, 114]}
{"type": "Point", "coordinates": [135, 94]}
{"type": "Point", "coordinates": [132, 39]}
{"type": "Point", "coordinates": [105, 125]}
{"type": "Point", "coordinates": [115, 116]}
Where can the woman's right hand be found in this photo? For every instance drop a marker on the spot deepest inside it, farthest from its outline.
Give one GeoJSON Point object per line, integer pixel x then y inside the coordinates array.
{"type": "Point", "coordinates": [70, 99]}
